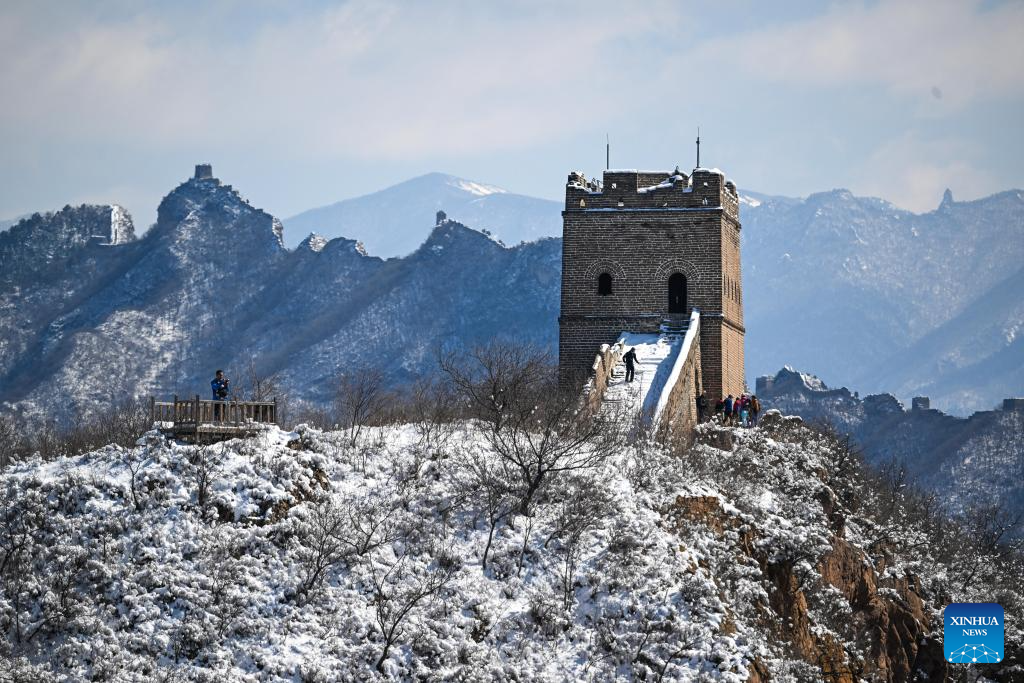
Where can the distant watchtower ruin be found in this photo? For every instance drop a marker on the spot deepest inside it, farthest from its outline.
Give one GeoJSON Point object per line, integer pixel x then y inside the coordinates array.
{"type": "Point", "coordinates": [641, 250]}
{"type": "Point", "coordinates": [204, 171]}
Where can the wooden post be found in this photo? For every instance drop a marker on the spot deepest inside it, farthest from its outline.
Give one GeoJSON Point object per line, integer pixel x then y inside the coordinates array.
{"type": "Point", "coordinates": [273, 418]}
{"type": "Point", "coordinates": [174, 411]}
{"type": "Point", "coordinates": [196, 411]}
{"type": "Point", "coordinates": [152, 409]}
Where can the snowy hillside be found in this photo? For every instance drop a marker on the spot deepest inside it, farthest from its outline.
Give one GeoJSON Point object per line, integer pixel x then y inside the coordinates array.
{"type": "Point", "coordinates": [967, 462]}
{"type": "Point", "coordinates": [870, 295]}
{"type": "Point", "coordinates": [297, 557]}
{"type": "Point", "coordinates": [393, 222]}
{"type": "Point", "coordinates": [211, 285]}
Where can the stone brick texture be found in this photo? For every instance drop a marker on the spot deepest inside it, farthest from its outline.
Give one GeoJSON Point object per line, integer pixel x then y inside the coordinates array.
{"type": "Point", "coordinates": [641, 227]}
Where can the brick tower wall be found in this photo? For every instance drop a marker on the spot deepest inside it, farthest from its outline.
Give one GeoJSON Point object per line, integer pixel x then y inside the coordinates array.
{"type": "Point", "coordinates": [641, 227]}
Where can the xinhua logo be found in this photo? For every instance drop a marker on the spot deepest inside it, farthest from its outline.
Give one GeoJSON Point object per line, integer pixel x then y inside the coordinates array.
{"type": "Point", "coordinates": [973, 632]}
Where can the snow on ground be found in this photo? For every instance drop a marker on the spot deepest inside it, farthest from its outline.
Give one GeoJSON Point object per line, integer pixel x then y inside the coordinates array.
{"type": "Point", "coordinates": [292, 556]}
{"type": "Point", "coordinates": [656, 353]}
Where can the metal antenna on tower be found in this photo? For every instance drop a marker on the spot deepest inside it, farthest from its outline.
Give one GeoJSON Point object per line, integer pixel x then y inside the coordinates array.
{"type": "Point", "coordinates": [607, 152]}
{"type": "Point", "coordinates": [698, 146]}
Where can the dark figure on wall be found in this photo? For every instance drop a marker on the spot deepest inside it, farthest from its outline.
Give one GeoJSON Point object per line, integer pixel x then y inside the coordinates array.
{"type": "Point", "coordinates": [630, 359]}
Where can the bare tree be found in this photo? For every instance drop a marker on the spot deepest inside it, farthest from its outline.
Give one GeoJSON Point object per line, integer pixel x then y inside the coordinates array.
{"type": "Point", "coordinates": [489, 485]}
{"type": "Point", "coordinates": [361, 399]}
{"type": "Point", "coordinates": [334, 532]}
{"type": "Point", "coordinates": [431, 406]}
{"type": "Point", "coordinates": [583, 506]}
{"type": "Point", "coordinates": [538, 428]}
{"type": "Point", "coordinates": [320, 544]}
{"type": "Point", "coordinates": [134, 462]}
{"type": "Point", "coordinates": [400, 589]}
{"type": "Point", "coordinates": [260, 386]}
{"type": "Point", "coordinates": [10, 439]}
{"type": "Point", "coordinates": [204, 466]}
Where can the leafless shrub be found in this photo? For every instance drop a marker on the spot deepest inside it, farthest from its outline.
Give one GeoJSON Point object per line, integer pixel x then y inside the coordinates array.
{"type": "Point", "coordinates": [369, 524]}
{"type": "Point", "coordinates": [431, 406]}
{"type": "Point", "coordinates": [400, 588]}
{"type": "Point", "coordinates": [260, 385]}
{"type": "Point", "coordinates": [302, 412]}
{"type": "Point", "coordinates": [134, 462]}
{"type": "Point", "coordinates": [845, 463]}
{"type": "Point", "coordinates": [10, 446]}
{"type": "Point", "coordinates": [320, 544]}
{"type": "Point", "coordinates": [361, 400]}
{"type": "Point", "coordinates": [335, 532]}
{"type": "Point", "coordinates": [490, 488]}
{"type": "Point", "coordinates": [650, 645]}
{"type": "Point", "coordinates": [22, 518]}
{"type": "Point", "coordinates": [225, 571]}
{"type": "Point", "coordinates": [583, 506]}
{"type": "Point", "coordinates": [992, 533]}
{"type": "Point", "coordinates": [539, 429]}
{"type": "Point", "coordinates": [203, 468]}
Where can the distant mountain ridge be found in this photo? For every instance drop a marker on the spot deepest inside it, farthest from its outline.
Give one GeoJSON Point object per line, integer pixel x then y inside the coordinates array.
{"type": "Point", "coordinates": [390, 222]}
{"type": "Point", "coordinates": [212, 285]}
{"type": "Point", "coordinates": [969, 462]}
{"type": "Point", "coordinates": [865, 293]}
{"type": "Point", "coordinates": [853, 286]}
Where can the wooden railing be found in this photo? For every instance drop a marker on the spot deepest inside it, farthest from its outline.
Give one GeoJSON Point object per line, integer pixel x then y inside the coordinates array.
{"type": "Point", "coordinates": [196, 411]}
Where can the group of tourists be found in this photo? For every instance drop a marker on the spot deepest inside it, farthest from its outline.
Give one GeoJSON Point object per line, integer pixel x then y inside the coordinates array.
{"type": "Point", "coordinates": [741, 411]}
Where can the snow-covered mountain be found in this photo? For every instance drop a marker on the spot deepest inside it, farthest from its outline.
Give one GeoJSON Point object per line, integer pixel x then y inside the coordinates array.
{"type": "Point", "coordinates": [860, 291]}
{"type": "Point", "coordinates": [968, 462]}
{"type": "Point", "coordinates": [394, 221]}
{"type": "Point", "coordinates": [212, 285]}
{"type": "Point", "coordinates": [872, 296]}
{"type": "Point", "coordinates": [299, 557]}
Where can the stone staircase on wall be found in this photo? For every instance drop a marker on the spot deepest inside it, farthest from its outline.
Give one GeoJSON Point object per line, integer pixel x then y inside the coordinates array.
{"type": "Point", "coordinates": [653, 401]}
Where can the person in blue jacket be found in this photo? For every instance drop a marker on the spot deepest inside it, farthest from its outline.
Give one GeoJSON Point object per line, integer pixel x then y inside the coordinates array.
{"type": "Point", "coordinates": [220, 387]}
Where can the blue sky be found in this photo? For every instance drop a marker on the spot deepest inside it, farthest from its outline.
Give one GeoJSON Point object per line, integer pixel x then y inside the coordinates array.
{"type": "Point", "coordinates": [300, 104]}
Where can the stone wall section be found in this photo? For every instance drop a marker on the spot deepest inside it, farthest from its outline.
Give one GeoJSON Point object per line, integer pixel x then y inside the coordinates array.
{"type": "Point", "coordinates": [641, 227]}
{"type": "Point", "coordinates": [601, 373]}
{"type": "Point", "coordinates": [680, 417]}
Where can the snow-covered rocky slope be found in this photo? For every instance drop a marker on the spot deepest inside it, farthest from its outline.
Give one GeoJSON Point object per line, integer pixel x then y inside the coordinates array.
{"type": "Point", "coordinates": [759, 555]}
{"type": "Point", "coordinates": [870, 295]}
{"type": "Point", "coordinates": [967, 462]}
{"type": "Point", "coordinates": [211, 285]}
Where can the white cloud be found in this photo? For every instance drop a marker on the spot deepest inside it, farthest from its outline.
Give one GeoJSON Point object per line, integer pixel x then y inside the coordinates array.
{"type": "Point", "coordinates": [371, 79]}
{"type": "Point", "coordinates": [913, 172]}
{"type": "Point", "coordinates": [966, 49]}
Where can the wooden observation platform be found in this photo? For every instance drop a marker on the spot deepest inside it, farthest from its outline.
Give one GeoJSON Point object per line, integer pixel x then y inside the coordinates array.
{"type": "Point", "coordinates": [204, 421]}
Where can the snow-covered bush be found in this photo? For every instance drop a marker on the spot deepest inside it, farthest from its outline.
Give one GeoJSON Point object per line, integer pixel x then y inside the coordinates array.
{"type": "Point", "coordinates": [295, 556]}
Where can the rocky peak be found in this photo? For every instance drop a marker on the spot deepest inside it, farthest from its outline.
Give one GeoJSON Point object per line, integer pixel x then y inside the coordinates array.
{"type": "Point", "coordinates": [44, 241]}
{"type": "Point", "coordinates": [450, 235]}
{"type": "Point", "coordinates": [205, 209]}
{"type": "Point", "coordinates": [947, 199]}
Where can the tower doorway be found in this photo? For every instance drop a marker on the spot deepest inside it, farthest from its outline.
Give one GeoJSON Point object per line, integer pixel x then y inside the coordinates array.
{"type": "Point", "coordinates": [677, 293]}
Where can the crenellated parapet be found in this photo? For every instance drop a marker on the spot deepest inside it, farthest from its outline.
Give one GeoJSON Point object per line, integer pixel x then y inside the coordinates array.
{"type": "Point", "coordinates": [652, 191]}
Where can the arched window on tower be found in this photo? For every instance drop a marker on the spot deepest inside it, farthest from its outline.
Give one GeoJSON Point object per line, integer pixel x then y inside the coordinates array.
{"type": "Point", "coordinates": [677, 293]}
{"type": "Point", "coordinates": [604, 284]}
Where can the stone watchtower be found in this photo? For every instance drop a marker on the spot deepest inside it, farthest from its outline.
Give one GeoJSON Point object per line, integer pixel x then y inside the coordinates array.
{"type": "Point", "coordinates": [644, 248]}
